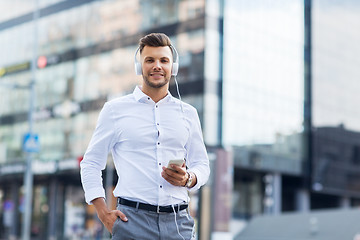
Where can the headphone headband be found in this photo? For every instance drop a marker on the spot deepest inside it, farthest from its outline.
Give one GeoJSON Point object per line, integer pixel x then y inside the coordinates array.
{"type": "Point", "coordinates": [175, 64]}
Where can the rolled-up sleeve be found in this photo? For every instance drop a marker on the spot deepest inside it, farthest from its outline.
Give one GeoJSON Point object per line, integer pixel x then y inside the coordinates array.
{"type": "Point", "coordinates": [95, 158]}
{"type": "Point", "coordinates": [197, 158]}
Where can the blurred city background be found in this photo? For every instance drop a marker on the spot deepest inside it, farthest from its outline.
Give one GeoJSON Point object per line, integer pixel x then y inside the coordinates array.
{"type": "Point", "coordinates": [276, 84]}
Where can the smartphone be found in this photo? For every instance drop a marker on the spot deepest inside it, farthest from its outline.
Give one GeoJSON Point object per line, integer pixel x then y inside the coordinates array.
{"type": "Point", "coordinates": [178, 162]}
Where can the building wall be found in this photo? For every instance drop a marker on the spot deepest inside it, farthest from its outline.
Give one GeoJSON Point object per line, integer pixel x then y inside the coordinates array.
{"type": "Point", "coordinates": [263, 97]}
{"type": "Point", "coordinates": [335, 97]}
{"type": "Point", "coordinates": [89, 49]}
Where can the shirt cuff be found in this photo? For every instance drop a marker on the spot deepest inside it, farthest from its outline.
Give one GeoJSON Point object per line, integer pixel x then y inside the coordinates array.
{"type": "Point", "coordinates": [198, 184]}
{"type": "Point", "coordinates": [93, 193]}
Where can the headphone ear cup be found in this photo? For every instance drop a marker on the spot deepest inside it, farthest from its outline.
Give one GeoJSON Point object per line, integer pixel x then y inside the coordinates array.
{"type": "Point", "coordinates": [175, 69]}
{"type": "Point", "coordinates": [138, 70]}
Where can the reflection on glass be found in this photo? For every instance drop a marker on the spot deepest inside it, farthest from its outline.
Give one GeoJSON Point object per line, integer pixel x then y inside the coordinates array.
{"type": "Point", "coordinates": [263, 83]}
{"type": "Point", "coordinates": [336, 97]}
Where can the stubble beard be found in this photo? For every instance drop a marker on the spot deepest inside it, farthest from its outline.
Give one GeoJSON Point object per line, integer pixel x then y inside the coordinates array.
{"type": "Point", "coordinates": [156, 85]}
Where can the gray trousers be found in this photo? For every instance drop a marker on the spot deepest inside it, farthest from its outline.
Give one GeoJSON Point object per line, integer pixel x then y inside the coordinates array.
{"type": "Point", "coordinates": [147, 225]}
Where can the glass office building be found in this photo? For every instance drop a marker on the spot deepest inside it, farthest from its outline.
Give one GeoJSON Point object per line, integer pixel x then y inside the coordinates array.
{"type": "Point", "coordinates": [263, 97]}
{"type": "Point", "coordinates": [335, 83]}
{"type": "Point", "coordinates": [86, 51]}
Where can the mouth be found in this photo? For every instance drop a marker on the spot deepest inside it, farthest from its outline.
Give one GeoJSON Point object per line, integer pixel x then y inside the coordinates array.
{"type": "Point", "coordinates": [156, 74]}
{"type": "Point", "coordinates": [160, 74]}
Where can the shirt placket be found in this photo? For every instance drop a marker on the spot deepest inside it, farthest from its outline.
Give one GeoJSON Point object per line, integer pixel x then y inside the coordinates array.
{"type": "Point", "coordinates": [159, 143]}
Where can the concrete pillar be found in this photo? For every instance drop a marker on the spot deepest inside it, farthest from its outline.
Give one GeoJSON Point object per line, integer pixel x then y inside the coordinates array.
{"type": "Point", "coordinates": [52, 209]}
{"type": "Point", "coordinates": [14, 193]}
{"type": "Point", "coordinates": [213, 68]}
{"type": "Point", "coordinates": [345, 202]}
{"type": "Point", "coordinates": [223, 187]}
{"type": "Point", "coordinates": [204, 213]}
{"type": "Point", "coordinates": [277, 193]}
{"type": "Point", "coordinates": [302, 200]}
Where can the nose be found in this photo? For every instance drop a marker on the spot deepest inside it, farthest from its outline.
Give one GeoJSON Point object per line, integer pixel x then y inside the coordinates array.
{"type": "Point", "coordinates": [157, 65]}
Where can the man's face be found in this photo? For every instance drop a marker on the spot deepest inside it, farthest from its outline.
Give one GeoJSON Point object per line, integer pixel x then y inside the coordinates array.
{"type": "Point", "coordinates": [156, 66]}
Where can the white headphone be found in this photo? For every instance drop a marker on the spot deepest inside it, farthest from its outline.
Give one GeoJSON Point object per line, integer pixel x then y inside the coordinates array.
{"type": "Point", "coordinates": [175, 65]}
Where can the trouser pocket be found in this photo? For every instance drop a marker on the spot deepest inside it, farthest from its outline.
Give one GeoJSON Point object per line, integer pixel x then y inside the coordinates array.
{"type": "Point", "coordinates": [114, 226]}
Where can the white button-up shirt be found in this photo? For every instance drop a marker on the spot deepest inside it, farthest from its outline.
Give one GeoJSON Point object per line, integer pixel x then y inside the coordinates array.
{"type": "Point", "coordinates": [143, 136]}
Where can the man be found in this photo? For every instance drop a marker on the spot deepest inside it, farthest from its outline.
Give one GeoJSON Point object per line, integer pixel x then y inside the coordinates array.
{"type": "Point", "coordinates": [144, 131]}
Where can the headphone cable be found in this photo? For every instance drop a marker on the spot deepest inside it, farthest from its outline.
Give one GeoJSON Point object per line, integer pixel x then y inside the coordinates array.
{"type": "Point", "coordinates": [178, 93]}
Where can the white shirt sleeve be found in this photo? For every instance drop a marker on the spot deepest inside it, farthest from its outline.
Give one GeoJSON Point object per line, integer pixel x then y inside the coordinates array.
{"type": "Point", "coordinates": [197, 158]}
{"type": "Point", "coordinates": [95, 158]}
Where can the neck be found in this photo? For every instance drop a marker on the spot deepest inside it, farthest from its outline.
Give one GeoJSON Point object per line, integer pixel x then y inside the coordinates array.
{"type": "Point", "coordinates": [156, 94]}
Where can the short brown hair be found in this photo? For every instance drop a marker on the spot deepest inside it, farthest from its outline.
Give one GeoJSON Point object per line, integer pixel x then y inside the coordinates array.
{"type": "Point", "coordinates": [154, 40]}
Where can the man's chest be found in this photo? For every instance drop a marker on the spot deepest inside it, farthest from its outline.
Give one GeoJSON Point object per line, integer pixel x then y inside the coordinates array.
{"type": "Point", "coordinates": [147, 127]}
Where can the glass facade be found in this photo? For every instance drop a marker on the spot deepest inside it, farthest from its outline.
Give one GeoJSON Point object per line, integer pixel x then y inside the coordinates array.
{"type": "Point", "coordinates": [22, 7]}
{"type": "Point", "coordinates": [81, 75]}
{"type": "Point", "coordinates": [263, 82]}
{"type": "Point", "coordinates": [89, 49]}
{"type": "Point", "coordinates": [336, 74]}
{"type": "Point", "coordinates": [263, 96]}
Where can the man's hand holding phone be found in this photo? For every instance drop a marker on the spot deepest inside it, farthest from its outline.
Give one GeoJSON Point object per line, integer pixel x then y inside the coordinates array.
{"type": "Point", "coordinates": [177, 162]}
{"type": "Point", "coordinates": [175, 173]}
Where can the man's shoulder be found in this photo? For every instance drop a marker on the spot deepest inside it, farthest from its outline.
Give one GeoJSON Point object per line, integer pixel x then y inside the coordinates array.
{"type": "Point", "coordinates": [188, 108]}
{"type": "Point", "coordinates": [121, 99]}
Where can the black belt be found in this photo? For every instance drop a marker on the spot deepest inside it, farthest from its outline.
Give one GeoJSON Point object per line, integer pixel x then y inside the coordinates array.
{"type": "Point", "coordinates": [153, 208]}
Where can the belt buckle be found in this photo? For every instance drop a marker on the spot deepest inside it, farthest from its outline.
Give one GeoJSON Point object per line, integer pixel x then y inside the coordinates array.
{"type": "Point", "coordinates": [158, 209]}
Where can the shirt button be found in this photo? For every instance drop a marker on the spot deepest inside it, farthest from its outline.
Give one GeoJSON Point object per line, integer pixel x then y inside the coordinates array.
{"type": "Point", "coordinates": [160, 163]}
{"type": "Point", "coordinates": [156, 106]}
{"type": "Point", "coordinates": [160, 186]}
{"type": "Point", "coordinates": [158, 124]}
{"type": "Point", "coordinates": [148, 98]}
{"type": "Point", "coordinates": [158, 143]}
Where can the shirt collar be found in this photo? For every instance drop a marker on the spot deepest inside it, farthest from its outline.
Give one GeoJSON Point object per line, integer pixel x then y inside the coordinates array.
{"type": "Point", "coordinates": [140, 96]}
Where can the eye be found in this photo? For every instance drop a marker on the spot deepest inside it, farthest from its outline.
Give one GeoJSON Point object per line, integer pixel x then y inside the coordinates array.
{"type": "Point", "coordinates": [149, 60]}
{"type": "Point", "coordinates": [164, 60]}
